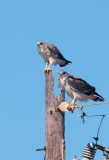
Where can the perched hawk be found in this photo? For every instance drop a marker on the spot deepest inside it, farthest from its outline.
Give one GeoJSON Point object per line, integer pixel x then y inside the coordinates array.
{"type": "Point", "coordinates": [77, 88]}
{"type": "Point", "coordinates": [51, 55]}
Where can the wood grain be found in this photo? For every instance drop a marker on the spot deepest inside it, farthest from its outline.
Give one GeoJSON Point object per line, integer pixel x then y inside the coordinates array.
{"type": "Point", "coordinates": [54, 122]}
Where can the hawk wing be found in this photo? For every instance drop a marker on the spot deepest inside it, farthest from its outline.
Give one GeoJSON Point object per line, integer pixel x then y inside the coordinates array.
{"type": "Point", "coordinates": [55, 52]}
{"type": "Point", "coordinates": [80, 85]}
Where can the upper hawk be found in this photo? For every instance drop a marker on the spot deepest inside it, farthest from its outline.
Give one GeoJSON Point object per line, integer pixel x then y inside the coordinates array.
{"type": "Point", "coordinates": [51, 55]}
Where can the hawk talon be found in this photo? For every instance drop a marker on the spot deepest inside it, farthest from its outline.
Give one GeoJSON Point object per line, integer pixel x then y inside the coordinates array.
{"type": "Point", "coordinates": [72, 103]}
{"type": "Point", "coordinates": [46, 70]}
{"type": "Point", "coordinates": [70, 108]}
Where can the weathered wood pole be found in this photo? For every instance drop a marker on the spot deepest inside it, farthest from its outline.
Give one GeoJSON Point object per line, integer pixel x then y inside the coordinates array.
{"type": "Point", "coordinates": [54, 121]}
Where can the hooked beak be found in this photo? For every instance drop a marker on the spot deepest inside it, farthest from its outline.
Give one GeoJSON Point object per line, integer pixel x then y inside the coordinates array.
{"type": "Point", "coordinates": [38, 43]}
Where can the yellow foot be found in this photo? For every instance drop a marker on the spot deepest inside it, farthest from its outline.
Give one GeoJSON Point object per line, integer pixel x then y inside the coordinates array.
{"type": "Point", "coordinates": [72, 104]}
{"type": "Point", "coordinates": [47, 70]}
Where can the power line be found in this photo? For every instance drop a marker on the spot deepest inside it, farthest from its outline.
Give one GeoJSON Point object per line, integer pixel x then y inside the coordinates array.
{"type": "Point", "coordinates": [95, 104]}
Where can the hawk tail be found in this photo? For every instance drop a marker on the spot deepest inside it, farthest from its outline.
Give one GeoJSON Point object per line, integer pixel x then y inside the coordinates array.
{"type": "Point", "coordinates": [97, 97]}
{"type": "Point", "coordinates": [66, 62]}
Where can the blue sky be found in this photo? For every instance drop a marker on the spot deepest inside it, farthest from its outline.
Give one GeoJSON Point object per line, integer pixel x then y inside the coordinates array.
{"type": "Point", "coordinates": [80, 29]}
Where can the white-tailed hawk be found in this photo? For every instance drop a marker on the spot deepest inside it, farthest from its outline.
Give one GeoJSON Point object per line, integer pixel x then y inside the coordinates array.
{"type": "Point", "coordinates": [77, 88]}
{"type": "Point", "coordinates": [51, 55]}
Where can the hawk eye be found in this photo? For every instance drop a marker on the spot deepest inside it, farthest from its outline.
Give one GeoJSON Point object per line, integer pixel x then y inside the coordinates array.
{"type": "Point", "coordinates": [64, 72]}
{"type": "Point", "coordinates": [41, 43]}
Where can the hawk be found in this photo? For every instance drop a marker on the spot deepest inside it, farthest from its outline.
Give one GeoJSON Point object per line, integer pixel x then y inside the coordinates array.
{"type": "Point", "coordinates": [77, 88]}
{"type": "Point", "coordinates": [51, 55]}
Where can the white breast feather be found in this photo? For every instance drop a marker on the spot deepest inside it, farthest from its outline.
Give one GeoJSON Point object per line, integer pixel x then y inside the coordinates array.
{"type": "Point", "coordinates": [56, 61]}
{"type": "Point", "coordinates": [52, 60]}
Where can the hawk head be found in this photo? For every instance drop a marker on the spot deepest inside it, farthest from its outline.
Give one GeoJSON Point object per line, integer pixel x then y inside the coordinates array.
{"type": "Point", "coordinates": [61, 78]}
{"type": "Point", "coordinates": [39, 43]}
{"type": "Point", "coordinates": [62, 73]}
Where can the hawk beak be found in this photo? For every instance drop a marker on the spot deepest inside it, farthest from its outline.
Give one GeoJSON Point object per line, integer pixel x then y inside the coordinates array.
{"type": "Point", "coordinates": [38, 43]}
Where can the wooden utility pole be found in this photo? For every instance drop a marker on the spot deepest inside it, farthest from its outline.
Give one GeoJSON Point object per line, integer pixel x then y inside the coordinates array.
{"type": "Point", "coordinates": [55, 139]}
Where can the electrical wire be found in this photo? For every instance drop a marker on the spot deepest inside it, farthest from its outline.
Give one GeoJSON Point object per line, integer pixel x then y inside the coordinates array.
{"type": "Point", "coordinates": [100, 125]}
{"type": "Point", "coordinates": [95, 104]}
{"type": "Point", "coordinates": [83, 114]}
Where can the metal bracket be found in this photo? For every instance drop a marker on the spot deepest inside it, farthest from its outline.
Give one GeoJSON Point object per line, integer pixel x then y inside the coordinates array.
{"type": "Point", "coordinates": [41, 149]}
{"type": "Point", "coordinates": [106, 156]}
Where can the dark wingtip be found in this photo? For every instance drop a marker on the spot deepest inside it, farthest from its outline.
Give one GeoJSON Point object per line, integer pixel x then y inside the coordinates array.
{"type": "Point", "coordinates": [98, 98]}
{"type": "Point", "coordinates": [102, 99]}
{"type": "Point", "coordinates": [67, 62]}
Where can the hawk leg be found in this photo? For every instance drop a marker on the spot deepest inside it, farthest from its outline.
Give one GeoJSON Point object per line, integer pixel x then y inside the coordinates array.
{"type": "Point", "coordinates": [47, 68]}
{"type": "Point", "coordinates": [72, 104]}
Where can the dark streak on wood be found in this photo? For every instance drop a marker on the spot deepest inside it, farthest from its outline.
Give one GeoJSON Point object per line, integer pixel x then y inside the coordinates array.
{"type": "Point", "coordinates": [54, 121]}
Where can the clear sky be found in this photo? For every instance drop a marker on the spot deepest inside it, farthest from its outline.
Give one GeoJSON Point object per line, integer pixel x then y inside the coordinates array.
{"type": "Point", "coordinates": [80, 29]}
